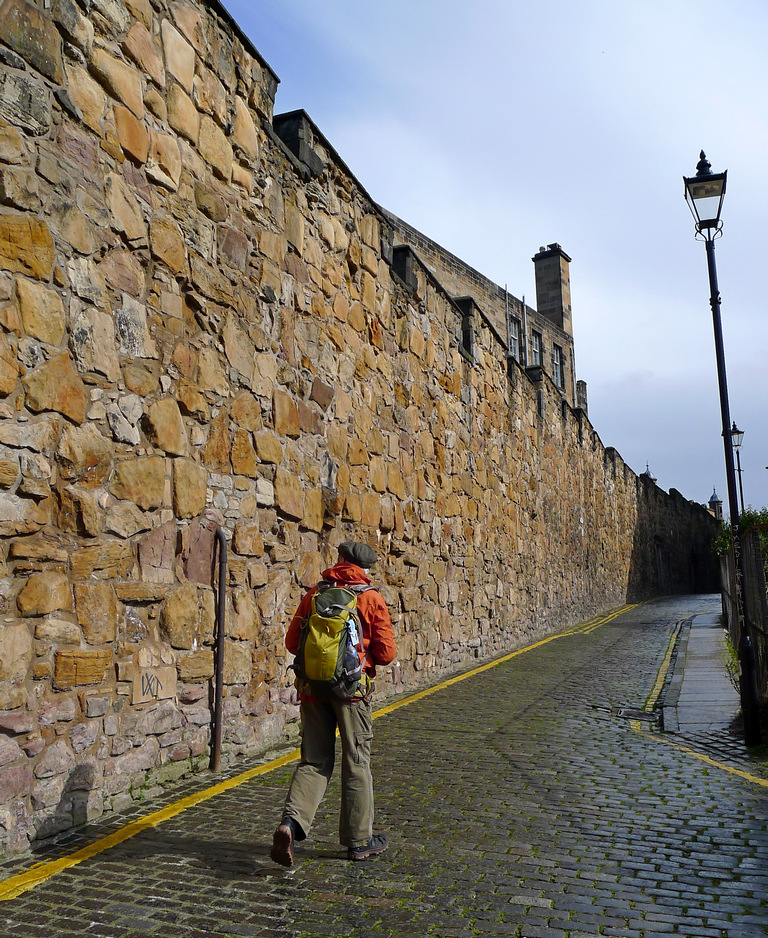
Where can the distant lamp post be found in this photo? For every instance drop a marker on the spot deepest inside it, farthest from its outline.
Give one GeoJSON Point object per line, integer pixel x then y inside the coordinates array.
{"type": "Point", "coordinates": [704, 194]}
{"type": "Point", "coordinates": [737, 438]}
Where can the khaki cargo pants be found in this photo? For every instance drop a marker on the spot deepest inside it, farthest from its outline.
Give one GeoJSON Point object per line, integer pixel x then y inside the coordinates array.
{"type": "Point", "coordinates": [319, 720]}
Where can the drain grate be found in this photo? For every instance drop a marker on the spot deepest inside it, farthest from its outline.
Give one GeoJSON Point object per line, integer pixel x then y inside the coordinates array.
{"type": "Point", "coordinates": [628, 713]}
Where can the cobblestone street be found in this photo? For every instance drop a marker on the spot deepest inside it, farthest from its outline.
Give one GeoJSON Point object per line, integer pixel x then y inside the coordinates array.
{"type": "Point", "coordinates": [537, 798]}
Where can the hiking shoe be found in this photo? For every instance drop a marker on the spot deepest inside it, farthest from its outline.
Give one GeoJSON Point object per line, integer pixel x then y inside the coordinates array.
{"type": "Point", "coordinates": [376, 845]}
{"type": "Point", "coordinates": [281, 846]}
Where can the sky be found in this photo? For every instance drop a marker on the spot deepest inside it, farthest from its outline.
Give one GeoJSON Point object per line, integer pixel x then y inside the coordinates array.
{"type": "Point", "coordinates": [499, 126]}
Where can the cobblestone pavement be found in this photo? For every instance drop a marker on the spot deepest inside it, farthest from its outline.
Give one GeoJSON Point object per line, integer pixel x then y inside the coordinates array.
{"type": "Point", "coordinates": [522, 801]}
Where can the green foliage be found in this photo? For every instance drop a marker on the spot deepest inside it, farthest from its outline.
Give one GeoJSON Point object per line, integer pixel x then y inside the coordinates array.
{"type": "Point", "coordinates": [722, 541]}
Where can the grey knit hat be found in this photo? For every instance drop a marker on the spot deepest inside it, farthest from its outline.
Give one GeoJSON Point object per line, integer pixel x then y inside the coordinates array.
{"type": "Point", "coordinates": [358, 553]}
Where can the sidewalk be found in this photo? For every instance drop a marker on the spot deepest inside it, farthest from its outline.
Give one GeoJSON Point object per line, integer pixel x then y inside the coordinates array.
{"type": "Point", "coordinates": [701, 697]}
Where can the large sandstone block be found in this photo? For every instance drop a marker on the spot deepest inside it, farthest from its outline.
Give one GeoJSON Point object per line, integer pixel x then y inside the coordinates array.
{"type": "Point", "coordinates": [9, 473]}
{"type": "Point", "coordinates": [268, 448]}
{"type": "Point", "coordinates": [15, 780]}
{"type": "Point", "coordinates": [244, 133]}
{"type": "Point", "coordinates": [42, 311]}
{"type": "Point", "coordinates": [314, 510]}
{"type": "Point", "coordinates": [87, 95]}
{"type": "Point", "coordinates": [294, 227]}
{"type": "Point", "coordinates": [87, 282]}
{"type": "Point", "coordinates": [9, 369]}
{"type": "Point", "coordinates": [92, 340]}
{"type": "Point", "coordinates": [164, 160]}
{"type": "Point", "coordinates": [21, 515]}
{"type": "Point", "coordinates": [197, 666]}
{"type": "Point", "coordinates": [74, 227]}
{"type": "Point", "coordinates": [56, 386]}
{"type": "Point", "coordinates": [26, 246]}
{"type": "Point", "coordinates": [131, 134]}
{"type": "Point", "coordinates": [192, 402]}
{"type": "Point", "coordinates": [179, 617]}
{"type": "Point", "coordinates": [121, 81]}
{"type": "Point", "coordinates": [371, 510]}
{"type": "Point", "coordinates": [25, 102]}
{"type": "Point", "coordinates": [238, 347]}
{"type": "Point", "coordinates": [44, 593]}
{"type": "Point", "coordinates": [132, 329]}
{"type": "Point", "coordinates": [123, 271]}
{"type": "Point", "coordinates": [58, 632]}
{"type": "Point", "coordinates": [286, 414]}
{"type": "Point", "coordinates": [125, 520]}
{"type": "Point", "coordinates": [11, 145]}
{"type": "Point", "coordinates": [179, 56]}
{"type": "Point", "coordinates": [96, 609]}
{"type": "Point", "coordinates": [244, 625]}
{"type": "Point", "coordinates": [142, 49]}
{"type": "Point", "coordinates": [289, 494]}
{"type": "Point", "coordinates": [79, 512]}
{"type": "Point", "coordinates": [246, 412]}
{"type": "Point", "coordinates": [16, 651]}
{"type": "Point", "coordinates": [237, 662]}
{"type": "Point", "coordinates": [243, 455]}
{"type": "Point", "coordinates": [19, 188]}
{"type": "Point", "coordinates": [190, 488]}
{"type": "Point", "coordinates": [157, 552]}
{"type": "Point", "coordinates": [31, 34]}
{"type": "Point", "coordinates": [215, 148]}
{"type": "Point", "coordinates": [183, 116]}
{"type": "Point", "coordinates": [111, 558]}
{"type": "Point", "coordinates": [168, 244]}
{"type": "Point", "coordinates": [84, 455]}
{"type": "Point", "coordinates": [216, 452]}
{"type": "Point", "coordinates": [74, 26]}
{"type": "Point", "coordinates": [125, 210]}
{"type": "Point", "coordinates": [166, 427]}
{"type": "Point", "coordinates": [247, 539]}
{"type": "Point", "coordinates": [79, 668]}
{"type": "Point", "coordinates": [210, 372]}
{"type": "Point", "coordinates": [140, 480]}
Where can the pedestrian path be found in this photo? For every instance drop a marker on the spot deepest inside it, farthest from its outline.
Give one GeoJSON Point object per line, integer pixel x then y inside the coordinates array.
{"type": "Point", "coordinates": [702, 696]}
{"type": "Point", "coordinates": [521, 801]}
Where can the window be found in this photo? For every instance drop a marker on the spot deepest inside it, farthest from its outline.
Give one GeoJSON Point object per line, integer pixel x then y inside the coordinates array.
{"type": "Point", "coordinates": [467, 335]}
{"type": "Point", "coordinates": [514, 338]}
{"type": "Point", "coordinates": [466, 338]}
{"type": "Point", "coordinates": [558, 366]}
{"type": "Point", "coordinates": [537, 346]}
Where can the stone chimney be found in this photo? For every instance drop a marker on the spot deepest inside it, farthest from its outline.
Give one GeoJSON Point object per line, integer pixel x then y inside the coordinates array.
{"type": "Point", "coordinates": [553, 286]}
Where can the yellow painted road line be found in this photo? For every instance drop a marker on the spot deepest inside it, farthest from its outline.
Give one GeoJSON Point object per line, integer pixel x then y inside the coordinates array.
{"type": "Point", "coordinates": [638, 728]}
{"type": "Point", "coordinates": [22, 882]}
{"type": "Point", "coordinates": [16, 885]}
{"type": "Point", "coordinates": [732, 770]}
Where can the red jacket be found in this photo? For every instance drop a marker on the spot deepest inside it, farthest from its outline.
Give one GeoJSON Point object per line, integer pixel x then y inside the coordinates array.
{"type": "Point", "coordinates": [378, 637]}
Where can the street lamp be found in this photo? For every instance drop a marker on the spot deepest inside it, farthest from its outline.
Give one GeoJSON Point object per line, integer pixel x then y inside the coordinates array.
{"type": "Point", "coordinates": [737, 438]}
{"type": "Point", "coordinates": [704, 194]}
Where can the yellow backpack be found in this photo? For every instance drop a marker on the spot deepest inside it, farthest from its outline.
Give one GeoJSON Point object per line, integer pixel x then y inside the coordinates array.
{"type": "Point", "coordinates": [329, 661]}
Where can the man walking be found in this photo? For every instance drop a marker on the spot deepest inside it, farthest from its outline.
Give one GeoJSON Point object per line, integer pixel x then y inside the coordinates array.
{"type": "Point", "coordinates": [322, 715]}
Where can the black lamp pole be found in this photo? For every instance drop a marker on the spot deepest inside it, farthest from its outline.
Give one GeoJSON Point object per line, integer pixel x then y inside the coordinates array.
{"type": "Point", "coordinates": [704, 193]}
{"type": "Point", "coordinates": [737, 438]}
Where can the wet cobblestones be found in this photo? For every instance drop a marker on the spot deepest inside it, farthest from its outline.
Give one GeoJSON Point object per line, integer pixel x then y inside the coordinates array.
{"type": "Point", "coordinates": [517, 803]}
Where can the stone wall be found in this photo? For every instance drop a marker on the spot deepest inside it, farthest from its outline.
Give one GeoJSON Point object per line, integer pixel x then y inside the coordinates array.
{"type": "Point", "coordinates": [200, 327]}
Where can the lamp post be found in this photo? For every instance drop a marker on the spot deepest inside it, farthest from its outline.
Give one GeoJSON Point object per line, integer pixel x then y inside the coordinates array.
{"type": "Point", "coordinates": [737, 438]}
{"type": "Point", "coordinates": [704, 194]}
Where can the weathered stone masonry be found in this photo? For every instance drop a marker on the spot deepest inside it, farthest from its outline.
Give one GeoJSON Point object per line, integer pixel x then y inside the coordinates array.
{"type": "Point", "coordinates": [206, 321]}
